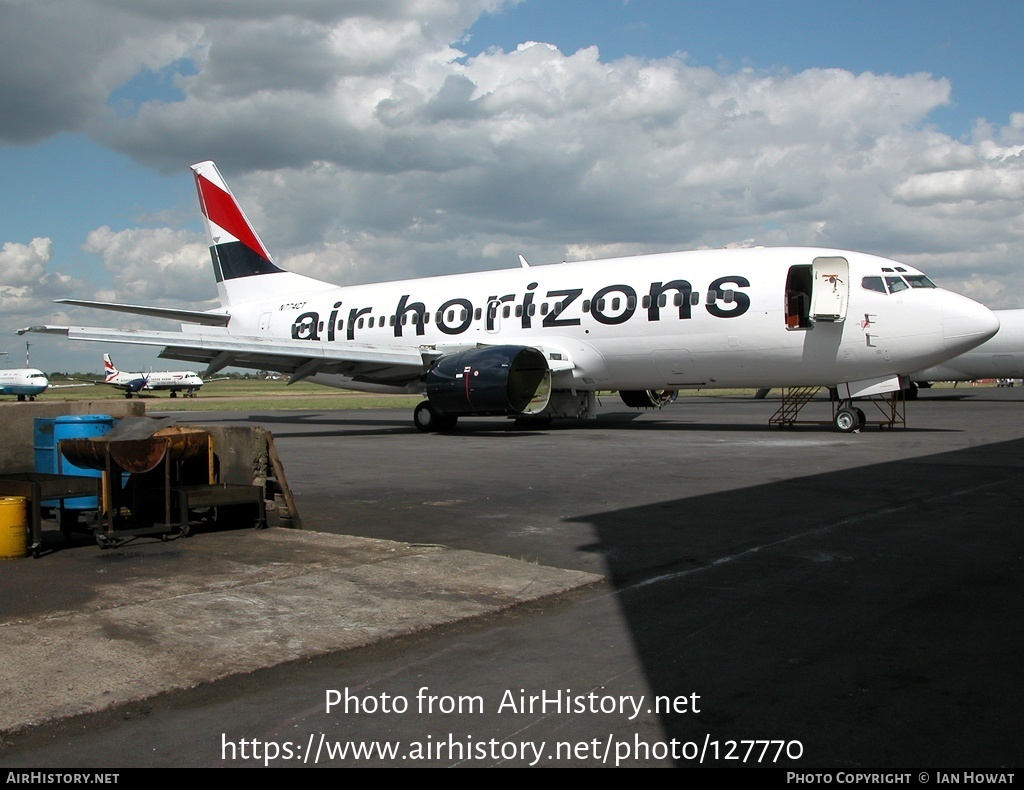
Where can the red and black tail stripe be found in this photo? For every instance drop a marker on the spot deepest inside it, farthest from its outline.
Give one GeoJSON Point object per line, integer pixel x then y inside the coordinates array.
{"type": "Point", "coordinates": [240, 253]}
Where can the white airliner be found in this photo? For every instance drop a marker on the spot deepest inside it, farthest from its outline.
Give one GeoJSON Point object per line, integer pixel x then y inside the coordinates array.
{"type": "Point", "coordinates": [26, 383]}
{"type": "Point", "coordinates": [176, 381]}
{"type": "Point", "coordinates": [1002, 357]}
{"type": "Point", "coordinates": [539, 342]}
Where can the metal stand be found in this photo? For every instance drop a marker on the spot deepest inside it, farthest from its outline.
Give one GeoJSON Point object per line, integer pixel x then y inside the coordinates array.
{"type": "Point", "coordinates": [890, 410]}
{"type": "Point", "coordinates": [175, 467]}
{"type": "Point", "coordinates": [38, 487]}
{"type": "Point", "coordinates": [793, 400]}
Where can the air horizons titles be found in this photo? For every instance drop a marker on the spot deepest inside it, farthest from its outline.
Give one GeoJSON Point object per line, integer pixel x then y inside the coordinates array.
{"type": "Point", "coordinates": [610, 305]}
{"type": "Point", "coordinates": [519, 701]}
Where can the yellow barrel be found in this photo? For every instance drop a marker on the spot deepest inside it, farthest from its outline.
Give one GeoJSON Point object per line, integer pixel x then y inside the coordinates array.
{"type": "Point", "coordinates": [13, 527]}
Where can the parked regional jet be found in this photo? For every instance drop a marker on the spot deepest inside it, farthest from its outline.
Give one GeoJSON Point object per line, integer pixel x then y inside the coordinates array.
{"type": "Point", "coordinates": [539, 342]}
{"type": "Point", "coordinates": [1002, 357]}
{"type": "Point", "coordinates": [26, 383]}
{"type": "Point", "coordinates": [132, 383]}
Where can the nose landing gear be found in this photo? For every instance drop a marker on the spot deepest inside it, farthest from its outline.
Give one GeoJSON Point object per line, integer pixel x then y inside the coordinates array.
{"type": "Point", "coordinates": [849, 419]}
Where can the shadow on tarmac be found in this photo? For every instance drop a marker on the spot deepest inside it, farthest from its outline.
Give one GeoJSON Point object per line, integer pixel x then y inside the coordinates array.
{"type": "Point", "coordinates": [469, 427]}
{"type": "Point", "coordinates": [871, 613]}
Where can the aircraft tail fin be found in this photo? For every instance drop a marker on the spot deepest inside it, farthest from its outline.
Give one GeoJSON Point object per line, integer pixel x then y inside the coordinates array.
{"type": "Point", "coordinates": [240, 258]}
{"type": "Point", "coordinates": [110, 372]}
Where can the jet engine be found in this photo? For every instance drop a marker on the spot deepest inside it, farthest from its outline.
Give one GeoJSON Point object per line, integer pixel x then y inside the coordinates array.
{"type": "Point", "coordinates": [490, 380]}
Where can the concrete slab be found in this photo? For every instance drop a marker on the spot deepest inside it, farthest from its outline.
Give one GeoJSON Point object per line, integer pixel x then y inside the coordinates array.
{"type": "Point", "coordinates": [193, 611]}
{"type": "Point", "coordinates": [851, 594]}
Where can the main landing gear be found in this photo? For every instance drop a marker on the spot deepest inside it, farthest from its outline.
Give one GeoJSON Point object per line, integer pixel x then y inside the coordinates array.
{"type": "Point", "coordinates": [849, 419]}
{"type": "Point", "coordinates": [428, 420]}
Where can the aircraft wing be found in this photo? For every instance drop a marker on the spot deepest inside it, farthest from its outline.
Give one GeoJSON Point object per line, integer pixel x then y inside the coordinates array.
{"type": "Point", "coordinates": [66, 386]}
{"type": "Point", "coordinates": [213, 346]}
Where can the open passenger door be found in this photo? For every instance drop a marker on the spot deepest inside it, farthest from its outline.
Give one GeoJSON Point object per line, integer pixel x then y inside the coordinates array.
{"type": "Point", "coordinates": [830, 292]}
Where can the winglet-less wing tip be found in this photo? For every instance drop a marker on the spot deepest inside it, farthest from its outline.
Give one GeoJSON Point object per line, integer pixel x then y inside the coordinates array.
{"type": "Point", "coordinates": [43, 329]}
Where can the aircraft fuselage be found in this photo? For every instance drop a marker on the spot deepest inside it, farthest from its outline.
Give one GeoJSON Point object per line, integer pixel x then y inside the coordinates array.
{"type": "Point", "coordinates": [717, 318]}
{"type": "Point", "coordinates": [538, 342]}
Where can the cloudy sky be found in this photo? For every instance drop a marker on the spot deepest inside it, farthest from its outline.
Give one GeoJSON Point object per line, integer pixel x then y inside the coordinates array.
{"type": "Point", "coordinates": [383, 139]}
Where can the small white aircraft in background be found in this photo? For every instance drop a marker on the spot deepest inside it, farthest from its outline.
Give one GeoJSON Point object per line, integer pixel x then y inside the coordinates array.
{"type": "Point", "coordinates": [1001, 358]}
{"type": "Point", "coordinates": [175, 381]}
{"type": "Point", "coordinates": [26, 383]}
{"type": "Point", "coordinates": [538, 342]}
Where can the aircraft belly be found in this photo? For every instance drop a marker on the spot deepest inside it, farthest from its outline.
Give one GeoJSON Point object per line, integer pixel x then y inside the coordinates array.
{"type": "Point", "coordinates": [820, 356]}
{"type": "Point", "coordinates": [656, 369]}
{"type": "Point", "coordinates": [339, 381]}
{"type": "Point", "coordinates": [16, 390]}
{"type": "Point", "coordinates": [1006, 366]}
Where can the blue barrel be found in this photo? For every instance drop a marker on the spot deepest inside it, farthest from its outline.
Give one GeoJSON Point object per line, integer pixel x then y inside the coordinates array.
{"type": "Point", "coordinates": [43, 447]}
{"type": "Point", "coordinates": [79, 426]}
{"type": "Point", "coordinates": [45, 451]}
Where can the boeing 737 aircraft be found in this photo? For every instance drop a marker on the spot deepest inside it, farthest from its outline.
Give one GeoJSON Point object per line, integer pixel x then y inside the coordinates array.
{"type": "Point", "coordinates": [1002, 357]}
{"type": "Point", "coordinates": [132, 383]}
{"type": "Point", "coordinates": [540, 341]}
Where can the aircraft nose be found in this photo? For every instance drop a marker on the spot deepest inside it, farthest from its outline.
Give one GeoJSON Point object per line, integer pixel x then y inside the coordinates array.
{"type": "Point", "coordinates": [967, 324]}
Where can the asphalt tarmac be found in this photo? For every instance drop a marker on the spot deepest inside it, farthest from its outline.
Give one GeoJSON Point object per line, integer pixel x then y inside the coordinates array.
{"type": "Point", "coordinates": [711, 590]}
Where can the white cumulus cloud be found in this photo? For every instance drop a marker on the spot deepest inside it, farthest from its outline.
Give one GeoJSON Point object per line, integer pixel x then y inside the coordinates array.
{"type": "Point", "coordinates": [155, 265]}
{"type": "Point", "coordinates": [366, 145]}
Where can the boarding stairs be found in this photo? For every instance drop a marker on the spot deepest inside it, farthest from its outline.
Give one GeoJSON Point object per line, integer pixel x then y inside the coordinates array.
{"type": "Point", "coordinates": [793, 400]}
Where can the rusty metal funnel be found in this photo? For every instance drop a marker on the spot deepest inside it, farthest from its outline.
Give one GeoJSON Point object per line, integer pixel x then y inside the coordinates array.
{"type": "Point", "coordinates": [137, 455]}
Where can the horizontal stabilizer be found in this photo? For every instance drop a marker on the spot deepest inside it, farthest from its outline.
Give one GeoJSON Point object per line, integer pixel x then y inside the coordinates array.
{"type": "Point", "coordinates": [173, 314]}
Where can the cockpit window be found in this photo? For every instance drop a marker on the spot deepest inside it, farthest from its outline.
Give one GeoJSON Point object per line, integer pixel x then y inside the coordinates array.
{"type": "Point", "coordinates": [919, 281]}
{"type": "Point", "coordinates": [896, 284]}
{"type": "Point", "coordinates": [873, 284]}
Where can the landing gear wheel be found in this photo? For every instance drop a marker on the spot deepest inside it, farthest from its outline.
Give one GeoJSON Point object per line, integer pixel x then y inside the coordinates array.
{"type": "Point", "coordinates": [428, 420]}
{"type": "Point", "coordinates": [863, 418]}
{"type": "Point", "coordinates": [847, 420]}
{"type": "Point", "coordinates": [424, 417]}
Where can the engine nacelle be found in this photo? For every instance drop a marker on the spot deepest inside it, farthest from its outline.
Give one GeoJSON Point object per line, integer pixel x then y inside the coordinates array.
{"type": "Point", "coordinates": [490, 380]}
{"type": "Point", "coordinates": [647, 399]}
